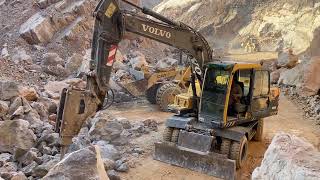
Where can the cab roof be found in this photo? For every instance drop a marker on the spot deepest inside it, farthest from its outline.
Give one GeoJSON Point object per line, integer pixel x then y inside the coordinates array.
{"type": "Point", "coordinates": [233, 65]}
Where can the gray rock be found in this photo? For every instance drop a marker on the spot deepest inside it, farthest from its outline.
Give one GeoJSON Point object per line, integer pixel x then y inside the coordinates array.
{"type": "Point", "coordinates": [41, 170]}
{"type": "Point", "coordinates": [37, 29]}
{"type": "Point", "coordinates": [41, 109]}
{"type": "Point", "coordinates": [4, 108]}
{"type": "Point", "coordinates": [27, 170]}
{"type": "Point", "coordinates": [4, 158]}
{"type": "Point", "coordinates": [83, 164]}
{"type": "Point", "coordinates": [19, 102]}
{"type": "Point", "coordinates": [52, 139]}
{"type": "Point", "coordinates": [52, 59]}
{"type": "Point", "coordinates": [151, 124]}
{"type": "Point", "coordinates": [125, 123]}
{"type": "Point", "coordinates": [29, 157]}
{"type": "Point", "coordinates": [123, 168]}
{"type": "Point", "coordinates": [105, 129]}
{"type": "Point", "coordinates": [8, 90]}
{"type": "Point", "coordinates": [108, 151]}
{"type": "Point", "coordinates": [16, 134]}
{"type": "Point", "coordinates": [9, 167]}
{"type": "Point", "coordinates": [138, 150]}
{"type": "Point", "coordinates": [57, 70]}
{"type": "Point", "coordinates": [113, 175]}
{"type": "Point", "coordinates": [74, 63]}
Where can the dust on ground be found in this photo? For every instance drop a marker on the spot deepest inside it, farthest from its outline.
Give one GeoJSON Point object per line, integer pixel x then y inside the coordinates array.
{"type": "Point", "coordinates": [290, 119]}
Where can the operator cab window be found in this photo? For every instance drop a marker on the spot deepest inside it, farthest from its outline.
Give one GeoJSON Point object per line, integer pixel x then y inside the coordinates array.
{"type": "Point", "coordinates": [244, 79]}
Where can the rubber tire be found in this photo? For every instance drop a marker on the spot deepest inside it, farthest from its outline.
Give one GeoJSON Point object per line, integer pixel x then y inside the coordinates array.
{"type": "Point", "coordinates": [225, 146]}
{"type": "Point", "coordinates": [167, 134]}
{"type": "Point", "coordinates": [239, 151]}
{"type": "Point", "coordinates": [259, 134]}
{"type": "Point", "coordinates": [151, 93]}
{"type": "Point", "coordinates": [175, 135]}
{"type": "Point", "coordinates": [164, 90]}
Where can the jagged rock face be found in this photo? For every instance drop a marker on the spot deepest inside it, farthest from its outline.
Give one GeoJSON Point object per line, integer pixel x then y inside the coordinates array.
{"type": "Point", "coordinates": [37, 29]}
{"type": "Point", "coordinates": [304, 76]}
{"type": "Point", "coordinates": [83, 164]}
{"type": "Point", "coordinates": [16, 134]}
{"type": "Point", "coordinates": [276, 24]}
{"type": "Point", "coordinates": [289, 157]}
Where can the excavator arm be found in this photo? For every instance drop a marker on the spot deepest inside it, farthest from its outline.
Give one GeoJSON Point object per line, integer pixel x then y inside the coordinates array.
{"type": "Point", "coordinates": [111, 23]}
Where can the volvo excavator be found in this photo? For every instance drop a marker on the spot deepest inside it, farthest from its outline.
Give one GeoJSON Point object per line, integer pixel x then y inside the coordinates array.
{"type": "Point", "coordinates": [210, 135]}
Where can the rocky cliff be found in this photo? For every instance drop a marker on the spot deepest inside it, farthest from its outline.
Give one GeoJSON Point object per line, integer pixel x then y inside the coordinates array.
{"type": "Point", "coordinates": [276, 24]}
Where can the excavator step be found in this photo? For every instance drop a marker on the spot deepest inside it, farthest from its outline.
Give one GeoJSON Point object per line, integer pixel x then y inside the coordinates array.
{"type": "Point", "coordinates": [213, 164]}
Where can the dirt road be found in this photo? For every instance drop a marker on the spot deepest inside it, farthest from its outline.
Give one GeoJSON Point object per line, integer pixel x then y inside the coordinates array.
{"type": "Point", "coordinates": [290, 119]}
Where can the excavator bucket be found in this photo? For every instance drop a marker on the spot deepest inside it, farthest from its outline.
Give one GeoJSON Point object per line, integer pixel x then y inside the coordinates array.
{"type": "Point", "coordinates": [213, 164]}
{"type": "Point", "coordinates": [137, 88]}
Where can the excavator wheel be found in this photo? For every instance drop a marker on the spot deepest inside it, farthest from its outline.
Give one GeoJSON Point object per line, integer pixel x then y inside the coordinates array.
{"type": "Point", "coordinates": [175, 135]}
{"type": "Point", "coordinates": [225, 146]}
{"type": "Point", "coordinates": [166, 94]}
{"type": "Point", "coordinates": [239, 151]}
{"type": "Point", "coordinates": [258, 135]}
{"type": "Point", "coordinates": [151, 93]}
{"type": "Point", "coordinates": [167, 134]}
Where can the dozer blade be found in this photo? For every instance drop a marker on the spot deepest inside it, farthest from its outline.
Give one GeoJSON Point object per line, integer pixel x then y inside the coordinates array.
{"type": "Point", "coordinates": [213, 164]}
{"type": "Point", "coordinates": [137, 88]}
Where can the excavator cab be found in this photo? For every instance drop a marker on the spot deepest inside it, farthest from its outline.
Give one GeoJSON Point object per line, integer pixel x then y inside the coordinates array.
{"type": "Point", "coordinates": [235, 97]}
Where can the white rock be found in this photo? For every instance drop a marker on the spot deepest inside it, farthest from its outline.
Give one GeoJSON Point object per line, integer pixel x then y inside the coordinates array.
{"type": "Point", "coordinates": [289, 158]}
{"type": "Point", "coordinates": [73, 166]}
{"type": "Point", "coordinates": [4, 51]}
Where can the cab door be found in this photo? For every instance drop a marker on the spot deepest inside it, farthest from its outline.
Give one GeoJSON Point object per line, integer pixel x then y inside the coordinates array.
{"type": "Point", "coordinates": [260, 99]}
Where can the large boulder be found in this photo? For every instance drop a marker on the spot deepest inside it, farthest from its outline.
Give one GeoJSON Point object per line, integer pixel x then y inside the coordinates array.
{"type": "Point", "coordinates": [105, 128]}
{"type": "Point", "coordinates": [16, 134]}
{"type": "Point", "coordinates": [289, 158]}
{"type": "Point", "coordinates": [82, 164]}
{"type": "Point", "coordinates": [311, 79]}
{"type": "Point", "coordinates": [304, 76]}
{"type": "Point", "coordinates": [8, 90]}
{"type": "Point", "coordinates": [37, 29]}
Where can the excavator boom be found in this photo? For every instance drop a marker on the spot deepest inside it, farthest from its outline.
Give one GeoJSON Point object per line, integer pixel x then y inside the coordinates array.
{"type": "Point", "coordinates": [111, 22]}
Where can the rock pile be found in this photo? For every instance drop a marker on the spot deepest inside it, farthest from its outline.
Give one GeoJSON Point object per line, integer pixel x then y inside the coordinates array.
{"type": "Point", "coordinates": [289, 157]}
{"type": "Point", "coordinates": [29, 148]}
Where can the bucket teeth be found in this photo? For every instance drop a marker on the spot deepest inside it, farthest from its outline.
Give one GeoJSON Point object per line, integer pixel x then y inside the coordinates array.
{"type": "Point", "coordinates": [213, 164]}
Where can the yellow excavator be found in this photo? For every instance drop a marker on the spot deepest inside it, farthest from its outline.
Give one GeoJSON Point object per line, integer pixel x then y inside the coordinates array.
{"type": "Point", "coordinates": [207, 134]}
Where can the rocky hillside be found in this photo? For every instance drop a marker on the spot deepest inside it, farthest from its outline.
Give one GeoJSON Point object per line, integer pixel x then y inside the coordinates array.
{"type": "Point", "coordinates": [276, 24]}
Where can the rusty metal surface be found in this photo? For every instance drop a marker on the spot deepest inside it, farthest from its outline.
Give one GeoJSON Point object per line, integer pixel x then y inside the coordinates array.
{"type": "Point", "coordinates": [78, 106]}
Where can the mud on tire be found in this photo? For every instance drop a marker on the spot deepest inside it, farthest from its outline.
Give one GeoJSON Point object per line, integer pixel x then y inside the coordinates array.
{"type": "Point", "coordinates": [151, 93]}
{"type": "Point", "coordinates": [167, 134]}
{"type": "Point", "coordinates": [175, 135]}
{"type": "Point", "coordinates": [166, 94]}
{"type": "Point", "coordinates": [259, 134]}
{"type": "Point", "coordinates": [239, 151]}
{"type": "Point", "coordinates": [225, 146]}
